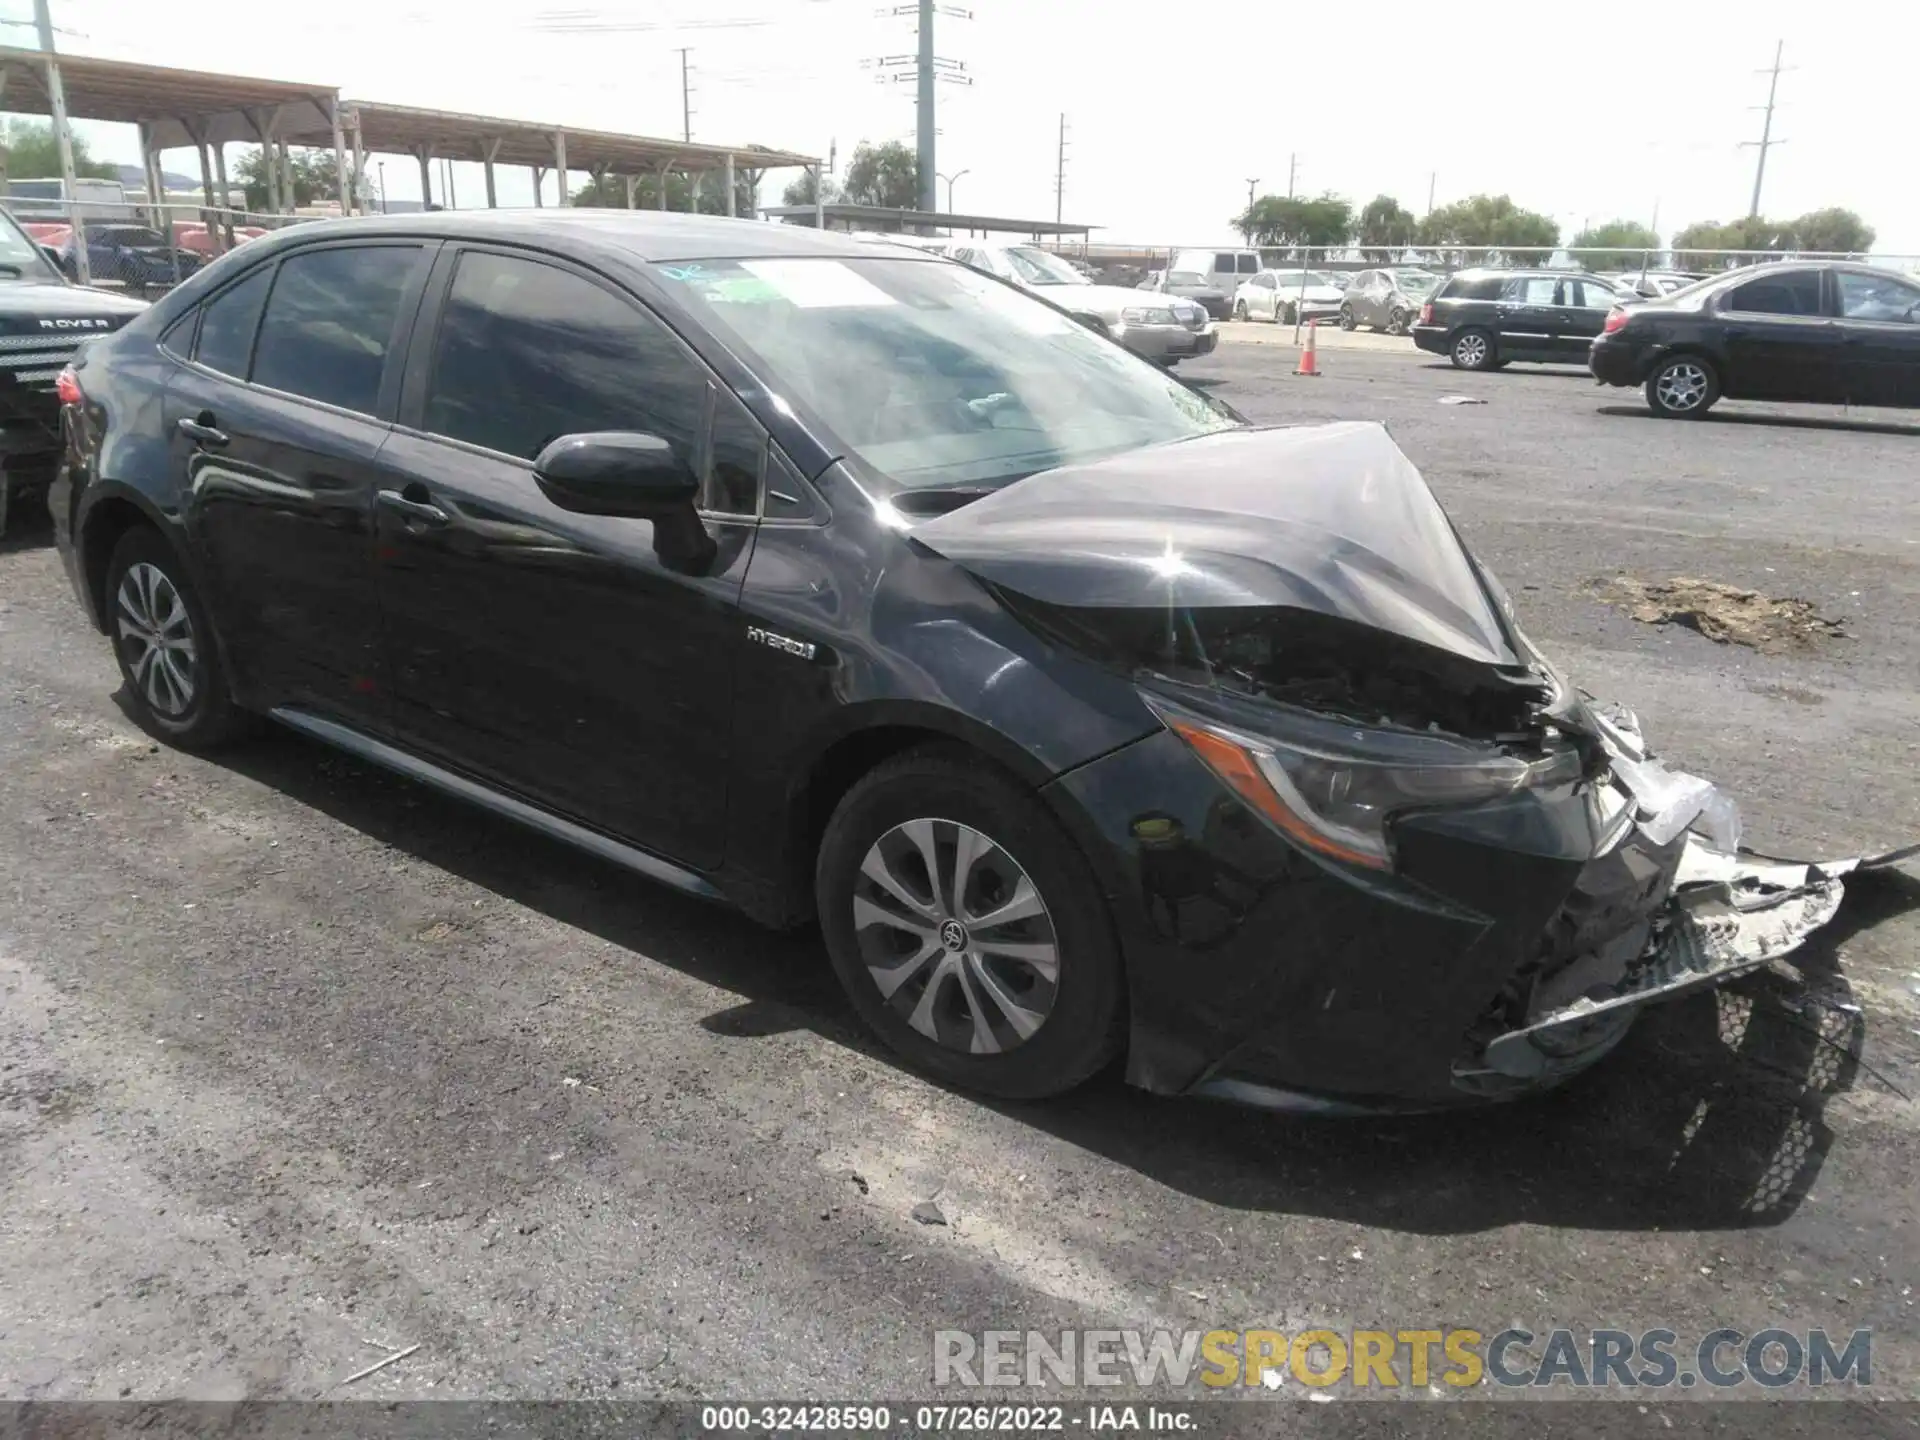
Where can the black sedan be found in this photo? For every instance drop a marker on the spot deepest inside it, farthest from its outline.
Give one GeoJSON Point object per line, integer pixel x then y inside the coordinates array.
{"type": "Point", "coordinates": [1821, 332]}
{"type": "Point", "coordinates": [863, 588]}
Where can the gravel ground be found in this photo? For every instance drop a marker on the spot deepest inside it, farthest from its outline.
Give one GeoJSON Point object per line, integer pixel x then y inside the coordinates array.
{"type": "Point", "coordinates": [297, 1060]}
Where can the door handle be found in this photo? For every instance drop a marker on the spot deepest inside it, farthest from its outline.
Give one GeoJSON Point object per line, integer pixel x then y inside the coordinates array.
{"type": "Point", "coordinates": [202, 430]}
{"type": "Point", "coordinates": [421, 512]}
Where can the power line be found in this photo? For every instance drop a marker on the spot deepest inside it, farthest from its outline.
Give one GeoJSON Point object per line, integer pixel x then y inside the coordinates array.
{"type": "Point", "coordinates": [1766, 141]}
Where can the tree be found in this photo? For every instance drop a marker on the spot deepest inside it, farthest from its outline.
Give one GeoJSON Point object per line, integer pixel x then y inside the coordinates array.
{"type": "Point", "coordinates": [1299, 226]}
{"type": "Point", "coordinates": [314, 176]}
{"type": "Point", "coordinates": [886, 174]}
{"type": "Point", "coordinates": [803, 190]}
{"type": "Point", "coordinates": [1385, 225]}
{"type": "Point", "coordinates": [1490, 221]}
{"type": "Point", "coordinates": [609, 192]}
{"type": "Point", "coordinates": [33, 154]}
{"type": "Point", "coordinates": [1837, 230]}
{"type": "Point", "coordinates": [1751, 232]}
{"type": "Point", "coordinates": [1589, 244]}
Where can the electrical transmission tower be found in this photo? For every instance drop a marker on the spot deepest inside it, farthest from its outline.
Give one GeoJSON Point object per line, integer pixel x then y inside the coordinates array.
{"type": "Point", "coordinates": [925, 69]}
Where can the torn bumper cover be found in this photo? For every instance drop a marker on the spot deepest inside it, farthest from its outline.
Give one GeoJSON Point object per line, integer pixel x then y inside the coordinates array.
{"type": "Point", "coordinates": [1720, 913]}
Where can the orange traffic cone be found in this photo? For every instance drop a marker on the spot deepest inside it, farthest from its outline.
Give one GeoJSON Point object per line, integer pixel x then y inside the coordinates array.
{"type": "Point", "coordinates": [1309, 361]}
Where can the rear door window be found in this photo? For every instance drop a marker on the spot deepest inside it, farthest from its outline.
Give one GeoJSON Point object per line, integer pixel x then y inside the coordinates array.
{"type": "Point", "coordinates": [1795, 293]}
{"type": "Point", "coordinates": [1878, 297]}
{"type": "Point", "coordinates": [1533, 290]}
{"type": "Point", "coordinates": [527, 352]}
{"type": "Point", "coordinates": [1596, 295]}
{"type": "Point", "coordinates": [1249, 264]}
{"type": "Point", "coordinates": [227, 323]}
{"type": "Point", "coordinates": [1478, 287]}
{"type": "Point", "coordinates": [330, 322]}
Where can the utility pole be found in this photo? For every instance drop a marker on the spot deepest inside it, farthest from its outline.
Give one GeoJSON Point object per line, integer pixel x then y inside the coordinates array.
{"type": "Point", "coordinates": [1060, 174]}
{"type": "Point", "coordinates": [1291, 158]}
{"type": "Point", "coordinates": [1433, 178]}
{"type": "Point", "coordinates": [686, 99]}
{"type": "Point", "coordinates": [1766, 141]}
{"type": "Point", "coordinates": [57, 103]}
{"type": "Point", "coordinates": [929, 181]}
{"type": "Point", "coordinates": [1255, 180]}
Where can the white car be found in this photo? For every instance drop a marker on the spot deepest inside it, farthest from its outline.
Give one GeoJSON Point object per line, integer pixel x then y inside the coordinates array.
{"type": "Point", "coordinates": [1287, 296]}
{"type": "Point", "coordinates": [1165, 329]}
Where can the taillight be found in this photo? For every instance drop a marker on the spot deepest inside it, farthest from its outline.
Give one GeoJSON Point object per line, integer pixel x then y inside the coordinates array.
{"type": "Point", "coordinates": [1616, 318]}
{"type": "Point", "coordinates": [1426, 313]}
{"type": "Point", "coordinates": [67, 387]}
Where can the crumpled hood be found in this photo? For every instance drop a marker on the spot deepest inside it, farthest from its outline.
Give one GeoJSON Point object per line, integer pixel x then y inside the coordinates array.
{"type": "Point", "coordinates": [1327, 518]}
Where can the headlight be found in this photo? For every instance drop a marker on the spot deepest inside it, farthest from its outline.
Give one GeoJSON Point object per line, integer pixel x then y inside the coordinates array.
{"type": "Point", "coordinates": [1144, 315]}
{"type": "Point", "coordinates": [1332, 787]}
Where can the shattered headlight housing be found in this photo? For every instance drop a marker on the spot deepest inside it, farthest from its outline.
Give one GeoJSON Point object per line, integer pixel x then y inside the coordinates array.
{"type": "Point", "coordinates": [1332, 786]}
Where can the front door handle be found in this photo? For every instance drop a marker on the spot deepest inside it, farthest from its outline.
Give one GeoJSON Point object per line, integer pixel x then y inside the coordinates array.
{"type": "Point", "coordinates": [202, 430]}
{"type": "Point", "coordinates": [420, 512]}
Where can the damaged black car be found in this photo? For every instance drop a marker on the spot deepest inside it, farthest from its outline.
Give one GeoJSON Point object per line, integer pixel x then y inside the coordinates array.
{"type": "Point", "coordinates": [1088, 723]}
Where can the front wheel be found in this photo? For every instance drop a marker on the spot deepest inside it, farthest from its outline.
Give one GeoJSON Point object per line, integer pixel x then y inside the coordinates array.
{"type": "Point", "coordinates": [1347, 321]}
{"type": "Point", "coordinates": [1682, 388]}
{"type": "Point", "coordinates": [165, 646]}
{"type": "Point", "coordinates": [967, 929]}
{"type": "Point", "coordinates": [1472, 350]}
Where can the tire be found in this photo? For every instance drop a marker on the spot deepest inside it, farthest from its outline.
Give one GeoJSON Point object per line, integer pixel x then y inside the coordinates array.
{"type": "Point", "coordinates": [1288, 316]}
{"type": "Point", "coordinates": [1397, 322]}
{"type": "Point", "coordinates": [1347, 321]}
{"type": "Point", "coordinates": [931, 801]}
{"type": "Point", "coordinates": [1472, 349]}
{"type": "Point", "coordinates": [1682, 387]}
{"type": "Point", "coordinates": [178, 686]}
{"type": "Point", "coordinates": [1240, 310]}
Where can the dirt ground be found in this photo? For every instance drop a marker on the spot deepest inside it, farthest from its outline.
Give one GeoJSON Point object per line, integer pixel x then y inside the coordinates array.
{"type": "Point", "coordinates": [298, 1061]}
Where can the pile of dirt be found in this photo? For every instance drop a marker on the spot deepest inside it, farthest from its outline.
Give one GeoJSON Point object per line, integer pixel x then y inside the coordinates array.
{"type": "Point", "coordinates": [1725, 614]}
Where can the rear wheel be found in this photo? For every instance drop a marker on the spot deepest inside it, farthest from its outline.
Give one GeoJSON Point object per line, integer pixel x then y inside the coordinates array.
{"type": "Point", "coordinates": [1682, 387]}
{"type": "Point", "coordinates": [966, 928]}
{"type": "Point", "coordinates": [1472, 350]}
{"type": "Point", "coordinates": [1347, 321]}
{"type": "Point", "coordinates": [1397, 322]}
{"type": "Point", "coordinates": [165, 646]}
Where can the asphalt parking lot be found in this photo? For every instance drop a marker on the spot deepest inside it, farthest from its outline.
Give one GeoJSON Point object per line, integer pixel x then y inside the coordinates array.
{"type": "Point", "coordinates": [297, 1059]}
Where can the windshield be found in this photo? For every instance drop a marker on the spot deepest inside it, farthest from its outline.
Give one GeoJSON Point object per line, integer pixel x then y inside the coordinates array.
{"type": "Point", "coordinates": [1300, 279]}
{"type": "Point", "coordinates": [935, 375]}
{"type": "Point", "coordinates": [1414, 282]}
{"type": "Point", "coordinates": [20, 257]}
{"type": "Point", "coordinates": [1038, 267]}
{"type": "Point", "coordinates": [1187, 277]}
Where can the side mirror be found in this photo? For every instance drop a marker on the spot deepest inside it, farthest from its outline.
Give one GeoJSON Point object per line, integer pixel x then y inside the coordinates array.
{"type": "Point", "coordinates": [631, 475]}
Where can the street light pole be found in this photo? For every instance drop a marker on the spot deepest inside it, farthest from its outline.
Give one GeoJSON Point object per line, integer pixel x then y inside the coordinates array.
{"type": "Point", "coordinates": [950, 179]}
{"type": "Point", "coordinates": [63, 137]}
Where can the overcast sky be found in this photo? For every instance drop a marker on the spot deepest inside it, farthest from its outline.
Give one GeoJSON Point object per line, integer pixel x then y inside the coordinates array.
{"type": "Point", "coordinates": [1170, 108]}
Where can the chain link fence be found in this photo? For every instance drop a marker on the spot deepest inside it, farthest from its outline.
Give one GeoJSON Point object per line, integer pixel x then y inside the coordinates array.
{"type": "Point", "coordinates": [137, 246]}
{"type": "Point", "coordinates": [1122, 264]}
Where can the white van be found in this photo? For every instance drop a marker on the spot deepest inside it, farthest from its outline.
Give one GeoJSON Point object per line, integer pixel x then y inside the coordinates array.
{"type": "Point", "coordinates": [1225, 270]}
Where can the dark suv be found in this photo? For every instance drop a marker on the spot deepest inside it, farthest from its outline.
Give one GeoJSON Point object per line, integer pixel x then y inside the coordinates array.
{"type": "Point", "coordinates": [43, 321]}
{"type": "Point", "coordinates": [848, 585]}
{"type": "Point", "coordinates": [1481, 319]}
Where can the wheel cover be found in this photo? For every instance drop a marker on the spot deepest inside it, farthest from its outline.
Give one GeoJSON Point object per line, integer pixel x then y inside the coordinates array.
{"type": "Point", "coordinates": [1472, 349]}
{"type": "Point", "coordinates": [956, 937]}
{"type": "Point", "coordinates": [156, 638]}
{"type": "Point", "coordinates": [1681, 386]}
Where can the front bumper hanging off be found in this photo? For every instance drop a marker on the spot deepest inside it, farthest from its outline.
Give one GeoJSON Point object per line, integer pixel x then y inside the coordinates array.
{"type": "Point", "coordinates": [1722, 912]}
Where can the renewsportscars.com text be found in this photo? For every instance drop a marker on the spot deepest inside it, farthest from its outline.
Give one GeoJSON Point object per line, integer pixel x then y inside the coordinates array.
{"type": "Point", "coordinates": [1450, 1357]}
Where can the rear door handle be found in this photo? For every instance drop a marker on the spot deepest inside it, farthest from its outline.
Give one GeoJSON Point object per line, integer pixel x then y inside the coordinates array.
{"type": "Point", "coordinates": [419, 511]}
{"type": "Point", "coordinates": [202, 430]}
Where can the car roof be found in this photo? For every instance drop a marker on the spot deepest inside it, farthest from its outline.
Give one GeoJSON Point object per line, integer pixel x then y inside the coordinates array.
{"type": "Point", "coordinates": [648, 235]}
